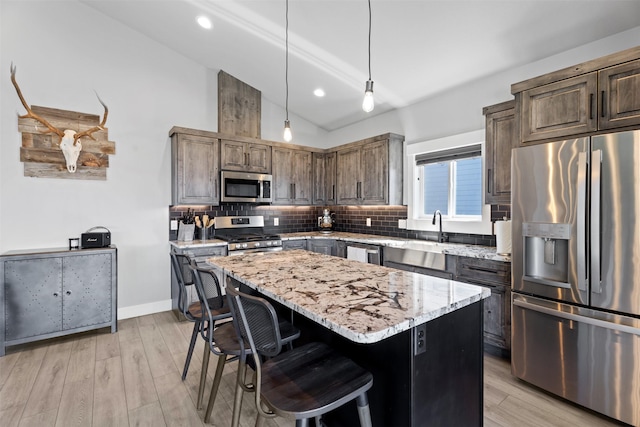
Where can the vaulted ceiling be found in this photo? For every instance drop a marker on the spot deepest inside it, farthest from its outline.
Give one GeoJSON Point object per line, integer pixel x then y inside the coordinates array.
{"type": "Point", "coordinates": [419, 48]}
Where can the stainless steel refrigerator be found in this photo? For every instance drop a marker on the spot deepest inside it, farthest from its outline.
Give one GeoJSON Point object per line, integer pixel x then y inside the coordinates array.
{"type": "Point", "coordinates": [576, 271]}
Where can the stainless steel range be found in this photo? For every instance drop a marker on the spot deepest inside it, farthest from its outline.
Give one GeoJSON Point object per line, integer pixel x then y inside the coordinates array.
{"type": "Point", "coordinates": [245, 234]}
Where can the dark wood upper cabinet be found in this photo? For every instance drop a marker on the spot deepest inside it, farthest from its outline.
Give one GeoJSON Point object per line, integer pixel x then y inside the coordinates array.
{"type": "Point", "coordinates": [597, 95]}
{"type": "Point", "coordinates": [195, 168]}
{"type": "Point", "coordinates": [620, 92]}
{"type": "Point", "coordinates": [245, 156]}
{"type": "Point", "coordinates": [291, 176]}
{"type": "Point", "coordinates": [324, 178]}
{"type": "Point", "coordinates": [500, 138]}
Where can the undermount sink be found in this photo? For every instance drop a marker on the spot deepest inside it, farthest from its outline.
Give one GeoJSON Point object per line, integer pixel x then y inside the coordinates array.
{"type": "Point", "coordinates": [419, 254]}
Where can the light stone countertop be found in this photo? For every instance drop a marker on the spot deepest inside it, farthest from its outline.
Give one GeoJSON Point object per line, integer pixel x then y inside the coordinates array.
{"type": "Point", "coordinates": [365, 303]}
{"type": "Point", "coordinates": [459, 249]}
{"type": "Point", "coordinates": [197, 243]}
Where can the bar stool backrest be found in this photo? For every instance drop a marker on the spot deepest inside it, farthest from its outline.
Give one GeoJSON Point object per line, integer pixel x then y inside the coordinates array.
{"type": "Point", "coordinates": [256, 321]}
{"type": "Point", "coordinates": [182, 270]}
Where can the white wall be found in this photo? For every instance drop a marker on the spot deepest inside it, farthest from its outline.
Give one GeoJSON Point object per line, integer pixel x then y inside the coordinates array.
{"type": "Point", "coordinates": [64, 50]}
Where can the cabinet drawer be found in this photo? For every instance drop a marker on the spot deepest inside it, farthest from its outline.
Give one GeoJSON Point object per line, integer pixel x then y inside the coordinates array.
{"type": "Point", "coordinates": [484, 271]}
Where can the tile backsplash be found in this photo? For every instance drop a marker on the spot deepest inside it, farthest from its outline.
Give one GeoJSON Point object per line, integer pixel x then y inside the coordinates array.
{"type": "Point", "coordinates": [384, 220]}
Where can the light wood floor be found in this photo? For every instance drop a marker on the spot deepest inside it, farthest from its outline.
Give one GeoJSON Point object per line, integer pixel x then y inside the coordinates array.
{"type": "Point", "coordinates": [132, 378]}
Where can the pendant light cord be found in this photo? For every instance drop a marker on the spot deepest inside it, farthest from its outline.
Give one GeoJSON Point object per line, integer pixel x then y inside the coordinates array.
{"type": "Point", "coordinates": [369, 39]}
{"type": "Point", "coordinates": [286, 68]}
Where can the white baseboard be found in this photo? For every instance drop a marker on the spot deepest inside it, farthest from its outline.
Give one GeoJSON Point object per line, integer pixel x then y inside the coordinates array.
{"type": "Point", "coordinates": [143, 309]}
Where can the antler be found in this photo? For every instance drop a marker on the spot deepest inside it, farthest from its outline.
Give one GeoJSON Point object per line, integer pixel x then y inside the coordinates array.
{"type": "Point", "coordinates": [89, 132]}
{"type": "Point", "coordinates": [30, 113]}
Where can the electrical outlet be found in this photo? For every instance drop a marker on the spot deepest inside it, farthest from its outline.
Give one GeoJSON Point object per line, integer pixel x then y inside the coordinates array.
{"type": "Point", "coordinates": [368, 222]}
{"type": "Point", "coordinates": [174, 224]}
{"type": "Point", "coordinates": [276, 222]}
{"type": "Point", "coordinates": [402, 223]}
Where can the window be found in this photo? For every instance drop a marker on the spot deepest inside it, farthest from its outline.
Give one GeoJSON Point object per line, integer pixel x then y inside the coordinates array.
{"type": "Point", "coordinates": [447, 174]}
{"type": "Point", "coordinates": [451, 182]}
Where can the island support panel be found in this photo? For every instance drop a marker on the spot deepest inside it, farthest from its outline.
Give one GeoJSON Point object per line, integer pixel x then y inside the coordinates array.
{"type": "Point", "coordinates": [442, 386]}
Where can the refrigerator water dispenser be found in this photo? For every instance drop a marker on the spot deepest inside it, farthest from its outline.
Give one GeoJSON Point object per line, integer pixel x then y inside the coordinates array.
{"type": "Point", "coordinates": [546, 253]}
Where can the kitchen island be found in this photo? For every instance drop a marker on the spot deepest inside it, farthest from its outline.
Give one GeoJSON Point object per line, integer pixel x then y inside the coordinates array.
{"type": "Point", "coordinates": [420, 336]}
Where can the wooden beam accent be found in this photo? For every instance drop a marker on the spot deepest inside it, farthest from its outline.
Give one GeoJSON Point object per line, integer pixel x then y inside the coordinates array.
{"type": "Point", "coordinates": [55, 156]}
{"type": "Point", "coordinates": [239, 107]}
{"type": "Point", "coordinates": [43, 170]}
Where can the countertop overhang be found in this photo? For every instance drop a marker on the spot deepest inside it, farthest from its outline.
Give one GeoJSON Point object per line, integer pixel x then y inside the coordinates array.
{"type": "Point", "coordinates": [365, 303]}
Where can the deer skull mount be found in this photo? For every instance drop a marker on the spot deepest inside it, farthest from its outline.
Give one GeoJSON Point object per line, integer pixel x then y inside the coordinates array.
{"type": "Point", "coordinates": [69, 139]}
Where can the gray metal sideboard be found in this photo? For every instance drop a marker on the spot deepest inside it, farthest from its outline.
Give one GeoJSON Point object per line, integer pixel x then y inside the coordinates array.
{"type": "Point", "coordinates": [47, 293]}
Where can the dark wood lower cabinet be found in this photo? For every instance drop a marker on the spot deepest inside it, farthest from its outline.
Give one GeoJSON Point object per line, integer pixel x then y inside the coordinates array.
{"type": "Point", "coordinates": [495, 275]}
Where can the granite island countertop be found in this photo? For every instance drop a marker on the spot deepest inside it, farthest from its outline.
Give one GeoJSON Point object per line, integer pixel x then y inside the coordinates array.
{"type": "Point", "coordinates": [365, 303]}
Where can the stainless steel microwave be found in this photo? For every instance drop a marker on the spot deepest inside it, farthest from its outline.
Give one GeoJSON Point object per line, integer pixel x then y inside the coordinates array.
{"type": "Point", "coordinates": [245, 187]}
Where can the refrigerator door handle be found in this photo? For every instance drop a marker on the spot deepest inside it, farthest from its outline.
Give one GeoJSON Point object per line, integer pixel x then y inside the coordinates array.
{"type": "Point", "coordinates": [582, 273]}
{"type": "Point", "coordinates": [596, 167]}
{"type": "Point", "coordinates": [577, 318]}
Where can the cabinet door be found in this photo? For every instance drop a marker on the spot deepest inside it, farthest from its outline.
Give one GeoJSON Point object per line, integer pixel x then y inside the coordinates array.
{"type": "Point", "coordinates": [195, 177]}
{"type": "Point", "coordinates": [282, 187]}
{"type": "Point", "coordinates": [301, 177]}
{"type": "Point", "coordinates": [494, 317]}
{"type": "Point", "coordinates": [232, 155]}
{"type": "Point", "coordinates": [33, 297]}
{"type": "Point", "coordinates": [563, 108]}
{"type": "Point", "coordinates": [348, 176]}
{"type": "Point", "coordinates": [620, 96]}
{"type": "Point", "coordinates": [86, 290]}
{"type": "Point", "coordinates": [500, 139]}
{"type": "Point", "coordinates": [324, 178]}
{"type": "Point", "coordinates": [322, 246]}
{"type": "Point", "coordinates": [319, 180]}
{"type": "Point", "coordinates": [374, 171]}
{"type": "Point", "coordinates": [258, 158]}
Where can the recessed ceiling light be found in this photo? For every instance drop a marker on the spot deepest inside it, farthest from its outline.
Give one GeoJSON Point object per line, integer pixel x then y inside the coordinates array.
{"type": "Point", "coordinates": [318, 92]}
{"type": "Point", "coordinates": [204, 22]}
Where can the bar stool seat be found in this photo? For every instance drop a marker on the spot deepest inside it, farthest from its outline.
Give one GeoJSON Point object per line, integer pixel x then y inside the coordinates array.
{"type": "Point", "coordinates": [311, 380]}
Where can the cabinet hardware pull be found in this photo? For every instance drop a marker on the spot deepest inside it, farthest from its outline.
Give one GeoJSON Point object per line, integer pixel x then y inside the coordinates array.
{"type": "Point", "coordinates": [294, 190]}
{"type": "Point", "coordinates": [248, 159]}
{"type": "Point", "coordinates": [333, 192]}
{"type": "Point", "coordinates": [486, 270]}
{"type": "Point", "coordinates": [489, 181]}
{"type": "Point", "coordinates": [68, 292]}
{"type": "Point", "coordinates": [602, 104]}
{"type": "Point", "coordinates": [55, 294]}
{"type": "Point", "coordinates": [590, 106]}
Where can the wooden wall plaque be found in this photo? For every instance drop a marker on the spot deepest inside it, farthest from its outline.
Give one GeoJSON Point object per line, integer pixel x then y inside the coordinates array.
{"type": "Point", "coordinates": [239, 107]}
{"type": "Point", "coordinates": [43, 158]}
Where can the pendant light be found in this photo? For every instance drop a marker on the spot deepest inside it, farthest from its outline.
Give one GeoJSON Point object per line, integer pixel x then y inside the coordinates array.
{"type": "Point", "coordinates": [287, 126]}
{"type": "Point", "coordinates": [367, 103]}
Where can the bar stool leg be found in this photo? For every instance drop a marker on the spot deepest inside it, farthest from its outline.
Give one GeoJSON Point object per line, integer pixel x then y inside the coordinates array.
{"type": "Point", "coordinates": [203, 374]}
{"type": "Point", "coordinates": [363, 410]}
{"type": "Point", "coordinates": [192, 344]}
{"type": "Point", "coordinates": [222, 359]}
{"type": "Point", "coordinates": [237, 400]}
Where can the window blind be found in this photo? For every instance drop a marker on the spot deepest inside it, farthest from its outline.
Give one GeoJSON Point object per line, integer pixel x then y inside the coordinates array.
{"type": "Point", "coordinates": [448, 155]}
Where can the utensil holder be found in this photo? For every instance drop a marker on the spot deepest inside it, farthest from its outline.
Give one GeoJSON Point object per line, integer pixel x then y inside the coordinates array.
{"type": "Point", "coordinates": [185, 232]}
{"type": "Point", "coordinates": [204, 233]}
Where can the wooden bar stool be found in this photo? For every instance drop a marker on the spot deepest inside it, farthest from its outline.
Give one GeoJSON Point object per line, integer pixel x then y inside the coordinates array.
{"type": "Point", "coordinates": [303, 383]}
